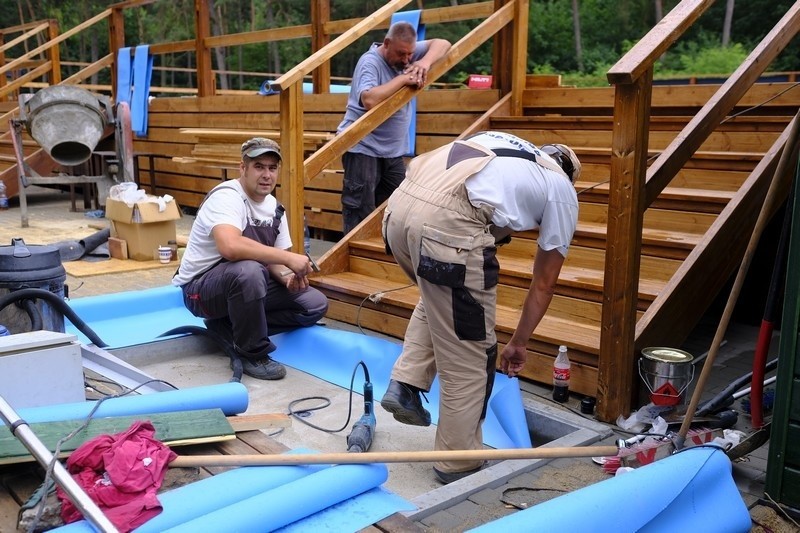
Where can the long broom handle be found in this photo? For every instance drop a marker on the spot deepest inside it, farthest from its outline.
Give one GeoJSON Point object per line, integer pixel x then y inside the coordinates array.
{"type": "Point", "coordinates": [392, 457]}
{"type": "Point", "coordinates": [763, 218]}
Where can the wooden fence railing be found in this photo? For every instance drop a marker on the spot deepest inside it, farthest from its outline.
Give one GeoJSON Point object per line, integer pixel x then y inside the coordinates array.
{"type": "Point", "coordinates": [634, 186]}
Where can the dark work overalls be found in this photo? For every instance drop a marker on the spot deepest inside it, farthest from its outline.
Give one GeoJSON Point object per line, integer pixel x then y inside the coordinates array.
{"type": "Point", "coordinates": [244, 293]}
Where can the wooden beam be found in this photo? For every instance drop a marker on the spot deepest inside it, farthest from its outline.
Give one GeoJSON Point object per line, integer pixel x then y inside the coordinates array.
{"type": "Point", "coordinates": [519, 51]}
{"type": "Point", "coordinates": [116, 40]}
{"type": "Point", "coordinates": [623, 249]}
{"type": "Point", "coordinates": [646, 51]}
{"type": "Point", "coordinates": [205, 74]}
{"type": "Point", "coordinates": [261, 36]}
{"type": "Point", "coordinates": [13, 42]}
{"type": "Point", "coordinates": [320, 15]}
{"type": "Point", "coordinates": [58, 40]}
{"type": "Point", "coordinates": [53, 54]}
{"type": "Point", "coordinates": [292, 154]}
{"type": "Point", "coordinates": [324, 55]}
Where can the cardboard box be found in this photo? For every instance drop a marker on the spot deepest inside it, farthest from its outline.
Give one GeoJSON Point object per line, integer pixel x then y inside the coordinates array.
{"type": "Point", "coordinates": [143, 227]}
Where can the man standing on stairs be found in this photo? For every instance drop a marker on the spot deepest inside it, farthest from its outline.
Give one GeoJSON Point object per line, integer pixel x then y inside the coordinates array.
{"type": "Point", "coordinates": [239, 273]}
{"type": "Point", "coordinates": [374, 167]}
{"type": "Point", "coordinates": [443, 224]}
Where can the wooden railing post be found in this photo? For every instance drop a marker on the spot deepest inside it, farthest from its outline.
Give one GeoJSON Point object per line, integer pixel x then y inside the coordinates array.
{"type": "Point", "coordinates": [292, 182]}
{"type": "Point", "coordinates": [2, 58]}
{"type": "Point", "coordinates": [626, 197]}
{"type": "Point", "coordinates": [320, 15]}
{"type": "Point", "coordinates": [503, 48]}
{"type": "Point", "coordinates": [202, 26]}
{"type": "Point", "coordinates": [520, 55]}
{"type": "Point", "coordinates": [53, 53]}
{"type": "Point", "coordinates": [116, 40]}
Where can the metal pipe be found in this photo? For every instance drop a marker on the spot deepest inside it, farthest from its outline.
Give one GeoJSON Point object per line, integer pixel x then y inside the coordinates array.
{"type": "Point", "coordinates": [20, 429]}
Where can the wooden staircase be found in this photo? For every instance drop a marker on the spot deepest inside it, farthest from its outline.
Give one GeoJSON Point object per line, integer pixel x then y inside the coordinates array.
{"type": "Point", "coordinates": [367, 288]}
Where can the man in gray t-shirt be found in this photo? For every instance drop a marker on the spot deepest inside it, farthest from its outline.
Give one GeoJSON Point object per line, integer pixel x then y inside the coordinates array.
{"type": "Point", "coordinates": [374, 167]}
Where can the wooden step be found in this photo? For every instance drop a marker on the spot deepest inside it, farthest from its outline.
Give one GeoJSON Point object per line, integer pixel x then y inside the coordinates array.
{"type": "Point", "coordinates": [581, 275]}
{"type": "Point", "coordinates": [577, 319]}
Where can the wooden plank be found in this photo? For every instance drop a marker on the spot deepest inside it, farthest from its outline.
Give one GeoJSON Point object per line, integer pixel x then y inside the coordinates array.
{"type": "Point", "coordinates": [241, 423]}
{"type": "Point", "coordinates": [173, 429]}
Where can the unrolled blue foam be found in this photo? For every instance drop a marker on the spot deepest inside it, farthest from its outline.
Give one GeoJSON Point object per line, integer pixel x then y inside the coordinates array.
{"type": "Point", "coordinates": [690, 491]}
{"type": "Point", "coordinates": [221, 494]}
{"type": "Point", "coordinates": [139, 317]}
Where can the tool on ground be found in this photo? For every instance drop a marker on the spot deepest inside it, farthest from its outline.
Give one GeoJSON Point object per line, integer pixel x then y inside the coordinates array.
{"type": "Point", "coordinates": [360, 437]}
{"type": "Point", "coordinates": [392, 457]}
{"type": "Point", "coordinates": [763, 217]}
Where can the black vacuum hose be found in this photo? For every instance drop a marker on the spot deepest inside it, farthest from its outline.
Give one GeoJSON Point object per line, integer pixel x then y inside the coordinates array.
{"type": "Point", "coordinates": [236, 362]}
{"type": "Point", "coordinates": [37, 322]}
{"type": "Point", "coordinates": [59, 303]}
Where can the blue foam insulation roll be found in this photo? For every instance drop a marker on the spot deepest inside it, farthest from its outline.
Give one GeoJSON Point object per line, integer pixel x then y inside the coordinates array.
{"type": "Point", "coordinates": [154, 311]}
{"type": "Point", "coordinates": [231, 397]}
{"type": "Point", "coordinates": [293, 501]}
{"type": "Point", "coordinates": [326, 353]}
{"type": "Point", "coordinates": [210, 494]}
{"type": "Point", "coordinates": [690, 491]}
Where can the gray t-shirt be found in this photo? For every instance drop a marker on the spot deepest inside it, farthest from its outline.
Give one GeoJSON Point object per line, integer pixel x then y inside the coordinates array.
{"type": "Point", "coordinates": [225, 206]}
{"type": "Point", "coordinates": [389, 139]}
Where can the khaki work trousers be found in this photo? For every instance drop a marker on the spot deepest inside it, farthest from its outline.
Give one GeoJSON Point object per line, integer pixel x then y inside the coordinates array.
{"type": "Point", "coordinates": [444, 245]}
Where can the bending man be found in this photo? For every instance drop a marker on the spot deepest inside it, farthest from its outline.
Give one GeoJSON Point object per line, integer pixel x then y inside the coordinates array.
{"type": "Point", "coordinates": [443, 225]}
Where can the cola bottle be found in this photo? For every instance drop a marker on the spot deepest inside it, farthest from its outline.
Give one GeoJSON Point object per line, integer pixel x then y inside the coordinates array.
{"type": "Point", "coordinates": [561, 370]}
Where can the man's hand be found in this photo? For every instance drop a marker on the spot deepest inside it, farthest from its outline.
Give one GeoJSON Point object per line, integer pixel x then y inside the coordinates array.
{"type": "Point", "coordinates": [417, 73]}
{"type": "Point", "coordinates": [512, 359]}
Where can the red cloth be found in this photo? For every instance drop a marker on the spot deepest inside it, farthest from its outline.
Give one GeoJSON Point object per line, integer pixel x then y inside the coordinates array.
{"type": "Point", "coordinates": [122, 474]}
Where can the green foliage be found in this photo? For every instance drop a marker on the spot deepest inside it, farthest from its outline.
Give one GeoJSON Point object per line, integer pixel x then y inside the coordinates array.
{"type": "Point", "coordinates": [608, 30]}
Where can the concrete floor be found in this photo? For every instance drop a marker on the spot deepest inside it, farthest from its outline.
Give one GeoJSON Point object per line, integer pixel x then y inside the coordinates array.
{"type": "Point", "coordinates": [456, 507]}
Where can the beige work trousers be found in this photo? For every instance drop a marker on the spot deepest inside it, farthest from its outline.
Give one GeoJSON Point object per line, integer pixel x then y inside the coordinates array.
{"type": "Point", "coordinates": [444, 245]}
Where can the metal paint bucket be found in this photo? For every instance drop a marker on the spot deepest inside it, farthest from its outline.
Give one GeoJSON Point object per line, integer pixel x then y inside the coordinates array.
{"type": "Point", "coordinates": [666, 372]}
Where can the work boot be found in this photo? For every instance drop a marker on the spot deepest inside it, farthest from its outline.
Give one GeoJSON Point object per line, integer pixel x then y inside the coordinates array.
{"type": "Point", "coordinates": [265, 368]}
{"type": "Point", "coordinates": [403, 402]}
{"type": "Point", "coordinates": [449, 477]}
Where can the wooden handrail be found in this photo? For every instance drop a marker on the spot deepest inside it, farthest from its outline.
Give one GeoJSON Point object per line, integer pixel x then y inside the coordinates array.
{"type": "Point", "coordinates": [297, 73]}
{"type": "Point", "coordinates": [20, 81]}
{"type": "Point", "coordinates": [15, 41]}
{"type": "Point", "coordinates": [716, 109]}
{"type": "Point", "coordinates": [646, 52]}
{"type": "Point", "coordinates": [436, 15]}
{"type": "Point", "coordinates": [58, 40]}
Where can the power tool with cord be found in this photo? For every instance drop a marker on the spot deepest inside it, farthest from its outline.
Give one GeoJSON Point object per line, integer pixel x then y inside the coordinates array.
{"type": "Point", "coordinates": [360, 438]}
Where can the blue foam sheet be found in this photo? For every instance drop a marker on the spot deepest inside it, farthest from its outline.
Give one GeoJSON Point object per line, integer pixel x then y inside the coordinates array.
{"type": "Point", "coordinates": [689, 491]}
{"type": "Point", "coordinates": [292, 501]}
{"type": "Point", "coordinates": [232, 398]}
{"type": "Point", "coordinates": [216, 493]}
{"type": "Point", "coordinates": [327, 353]}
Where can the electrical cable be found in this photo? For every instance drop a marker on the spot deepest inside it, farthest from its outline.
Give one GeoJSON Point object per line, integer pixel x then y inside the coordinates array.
{"type": "Point", "coordinates": [296, 413]}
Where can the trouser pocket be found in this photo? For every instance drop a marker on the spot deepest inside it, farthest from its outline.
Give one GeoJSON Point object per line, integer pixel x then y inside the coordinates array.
{"type": "Point", "coordinates": [443, 261]}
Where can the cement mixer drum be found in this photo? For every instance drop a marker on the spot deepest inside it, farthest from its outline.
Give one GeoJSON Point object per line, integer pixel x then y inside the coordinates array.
{"type": "Point", "coordinates": [67, 122]}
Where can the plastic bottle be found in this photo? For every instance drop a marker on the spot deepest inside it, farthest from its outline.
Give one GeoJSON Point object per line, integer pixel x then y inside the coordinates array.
{"type": "Point", "coordinates": [306, 237]}
{"type": "Point", "coordinates": [3, 197]}
{"type": "Point", "coordinates": [561, 371]}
